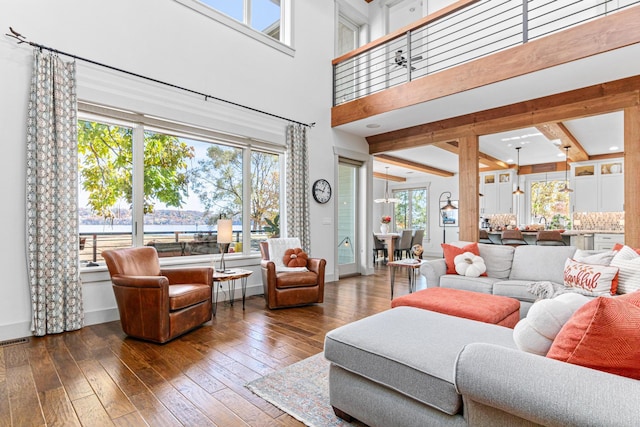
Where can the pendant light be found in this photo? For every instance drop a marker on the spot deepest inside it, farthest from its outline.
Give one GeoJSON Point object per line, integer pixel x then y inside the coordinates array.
{"type": "Point", "coordinates": [566, 189]}
{"type": "Point", "coordinates": [518, 190]}
{"type": "Point", "coordinates": [387, 199]}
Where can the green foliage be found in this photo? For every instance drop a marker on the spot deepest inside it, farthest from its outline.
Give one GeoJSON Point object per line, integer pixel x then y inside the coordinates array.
{"type": "Point", "coordinates": [273, 226]}
{"type": "Point", "coordinates": [217, 181]}
{"type": "Point", "coordinates": [547, 200]}
{"type": "Point", "coordinates": [106, 165]}
{"type": "Point", "coordinates": [560, 222]}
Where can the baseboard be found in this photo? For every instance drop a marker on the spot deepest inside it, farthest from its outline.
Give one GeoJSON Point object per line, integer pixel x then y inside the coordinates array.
{"type": "Point", "coordinates": [15, 330]}
{"type": "Point", "coordinates": [23, 329]}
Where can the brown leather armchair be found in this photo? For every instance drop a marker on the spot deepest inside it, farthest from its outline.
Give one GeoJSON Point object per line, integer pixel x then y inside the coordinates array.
{"type": "Point", "coordinates": [290, 289]}
{"type": "Point", "coordinates": [158, 304]}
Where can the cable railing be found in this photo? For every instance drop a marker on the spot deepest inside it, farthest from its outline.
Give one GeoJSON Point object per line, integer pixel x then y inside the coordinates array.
{"type": "Point", "coordinates": [167, 243]}
{"type": "Point", "coordinates": [467, 30]}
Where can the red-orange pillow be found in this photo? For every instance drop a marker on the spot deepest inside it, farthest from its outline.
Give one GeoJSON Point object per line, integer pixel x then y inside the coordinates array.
{"type": "Point", "coordinates": [603, 334]}
{"type": "Point", "coordinates": [619, 246]}
{"type": "Point", "coordinates": [450, 252]}
{"type": "Point", "coordinates": [295, 258]}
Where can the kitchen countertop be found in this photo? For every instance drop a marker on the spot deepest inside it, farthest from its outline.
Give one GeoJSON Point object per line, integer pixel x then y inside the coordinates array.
{"type": "Point", "coordinates": [570, 232]}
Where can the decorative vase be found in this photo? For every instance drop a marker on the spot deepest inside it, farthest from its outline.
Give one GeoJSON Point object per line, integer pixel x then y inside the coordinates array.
{"type": "Point", "coordinates": [384, 228]}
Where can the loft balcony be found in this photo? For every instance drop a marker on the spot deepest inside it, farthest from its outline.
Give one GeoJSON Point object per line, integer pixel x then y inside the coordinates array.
{"type": "Point", "coordinates": [474, 43]}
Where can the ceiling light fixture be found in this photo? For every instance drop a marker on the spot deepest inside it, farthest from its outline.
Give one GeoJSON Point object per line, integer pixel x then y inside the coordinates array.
{"type": "Point", "coordinates": [518, 190]}
{"type": "Point", "coordinates": [387, 199]}
{"type": "Point", "coordinates": [566, 188]}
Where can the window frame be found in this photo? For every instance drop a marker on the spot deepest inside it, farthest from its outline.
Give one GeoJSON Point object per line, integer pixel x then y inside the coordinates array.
{"type": "Point", "coordinates": [141, 123]}
{"type": "Point", "coordinates": [410, 191]}
{"type": "Point", "coordinates": [284, 45]}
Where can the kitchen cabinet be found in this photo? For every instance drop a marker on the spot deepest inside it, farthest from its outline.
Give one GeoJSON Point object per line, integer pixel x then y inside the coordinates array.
{"type": "Point", "coordinates": [598, 186]}
{"type": "Point", "coordinates": [606, 241]}
{"type": "Point", "coordinates": [497, 190]}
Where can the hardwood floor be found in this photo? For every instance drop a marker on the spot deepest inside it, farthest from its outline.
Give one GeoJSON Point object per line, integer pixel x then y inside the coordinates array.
{"type": "Point", "coordinates": [99, 377]}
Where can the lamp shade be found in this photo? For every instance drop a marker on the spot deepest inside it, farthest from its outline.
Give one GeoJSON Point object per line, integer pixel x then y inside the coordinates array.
{"type": "Point", "coordinates": [225, 231]}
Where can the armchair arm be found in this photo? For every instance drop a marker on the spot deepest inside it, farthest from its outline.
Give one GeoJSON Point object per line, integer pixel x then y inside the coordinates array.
{"type": "Point", "coordinates": [140, 281]}
{"type": "Point", "coordinates": [543, 390]}
{"type": "Point", "coordinates": [188, 275]}
{"type": "Point", "coordinates": [316, 264]}
{"type": "Point", "coordinates": [432, 270]}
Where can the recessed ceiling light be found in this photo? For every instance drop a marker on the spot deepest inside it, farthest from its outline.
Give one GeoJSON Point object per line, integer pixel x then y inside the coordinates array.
{"type": "Point", "coordinates": [613, 148]}
{"type": "Point", "coordinates": [556, 142]}
{"type": "Point", "coordinates": [560, 154]}
{"type": "Point", "coordinates": [373, 125]}
{"type": "Point", "coordinates": [409, 172]}
{"type": "Point", "coordinates": [509, 160]}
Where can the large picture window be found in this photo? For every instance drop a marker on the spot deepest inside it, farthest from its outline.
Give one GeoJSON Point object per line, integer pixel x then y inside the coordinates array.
{"type": "Point", "coordinates": [549, 205]}
{"type": "Point", "coordinates": [185, 185]}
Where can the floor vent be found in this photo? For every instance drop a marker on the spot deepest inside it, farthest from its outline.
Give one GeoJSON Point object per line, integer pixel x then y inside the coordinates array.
{"type": "Point", "coordinates": [14, 342]}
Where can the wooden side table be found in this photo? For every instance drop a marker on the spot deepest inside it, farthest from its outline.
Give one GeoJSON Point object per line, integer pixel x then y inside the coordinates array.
{"type": "Point", "coordinates": [413, 267]}
{"type": "Point", "coordinates": [231, 277]}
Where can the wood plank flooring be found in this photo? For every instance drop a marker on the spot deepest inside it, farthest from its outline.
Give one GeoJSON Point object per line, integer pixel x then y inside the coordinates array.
{"type": "Point", "coordinates": [99, 377]}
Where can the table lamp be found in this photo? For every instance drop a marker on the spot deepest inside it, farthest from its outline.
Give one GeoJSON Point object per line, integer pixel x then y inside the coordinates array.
{"type": "Point", "coordinates": [225, 237]}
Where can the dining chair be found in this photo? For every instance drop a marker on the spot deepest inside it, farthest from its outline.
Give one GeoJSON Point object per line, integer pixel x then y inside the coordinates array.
{"type": "Point", "coordinates": [379, 246]}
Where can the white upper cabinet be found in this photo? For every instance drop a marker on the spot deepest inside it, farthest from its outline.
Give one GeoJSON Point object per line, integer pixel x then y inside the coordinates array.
{"type": "Point", "coordinates": [598, 186]}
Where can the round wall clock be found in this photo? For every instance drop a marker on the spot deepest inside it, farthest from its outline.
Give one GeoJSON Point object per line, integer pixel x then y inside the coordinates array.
{"type": "Point", "coordinates": [321, 191]}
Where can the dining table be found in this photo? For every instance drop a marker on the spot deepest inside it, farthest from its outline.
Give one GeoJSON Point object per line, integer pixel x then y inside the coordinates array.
{"type": "Point", "coordinates": [389, 239]}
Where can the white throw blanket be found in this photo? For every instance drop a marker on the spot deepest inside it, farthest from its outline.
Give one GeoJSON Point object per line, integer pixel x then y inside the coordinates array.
{"type": "Point", "coordinates": [547, 290]}
{"type": "Point", "coordinates": [277, 248]}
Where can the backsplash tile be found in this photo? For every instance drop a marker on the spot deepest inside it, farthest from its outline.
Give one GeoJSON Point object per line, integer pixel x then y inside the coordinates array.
{"type": "Point", "coordinates": [601, 221]}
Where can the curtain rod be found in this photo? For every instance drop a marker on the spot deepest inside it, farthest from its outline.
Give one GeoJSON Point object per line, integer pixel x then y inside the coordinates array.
{"type": "Point", "coordinates": [22, 39]}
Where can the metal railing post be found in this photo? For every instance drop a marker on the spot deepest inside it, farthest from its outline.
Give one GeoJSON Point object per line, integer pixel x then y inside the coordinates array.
{"type": "Point", "coordinates": [525, 21]}
{"type": "Point", "coordinates": [409, 56]}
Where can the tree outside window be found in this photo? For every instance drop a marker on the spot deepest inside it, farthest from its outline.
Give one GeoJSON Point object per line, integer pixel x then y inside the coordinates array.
{"type": "Point", "coordinates": [411, 211]}
{"type": "Point", "coordinates": [188, 185]}
{"type": "Point", "coordinates": [548, 202]}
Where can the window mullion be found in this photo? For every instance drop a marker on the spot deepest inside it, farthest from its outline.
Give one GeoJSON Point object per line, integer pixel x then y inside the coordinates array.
{"type": "Point", "coordinates": [247, 12]}
{"type": "Point", "coordinates": [138, 185]}
{"type": "Point", "coordinates": [246, 200]}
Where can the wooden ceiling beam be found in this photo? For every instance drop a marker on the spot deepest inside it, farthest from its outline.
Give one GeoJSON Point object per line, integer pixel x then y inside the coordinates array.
{"type": "Point", "coordinates": [388, 177]}
{"type": "Point", "coordinates": [397, 161]}
{"type": "Point", "coordinates": [585, 102]}
{"type": "Point", "coordinates": [558, 131]}
{"type": "Point", "coordinates": [488, 161]}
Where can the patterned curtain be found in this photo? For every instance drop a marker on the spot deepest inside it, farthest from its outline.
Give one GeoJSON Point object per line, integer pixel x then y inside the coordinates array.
{"type": "Point", "coordinates": [52, 197]}
{"type": "Point", "coordinates": [297, 183]}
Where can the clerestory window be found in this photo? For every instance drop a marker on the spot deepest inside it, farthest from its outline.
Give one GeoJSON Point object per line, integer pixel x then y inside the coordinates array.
{"type": "Point", "coordinates": [266, 17]}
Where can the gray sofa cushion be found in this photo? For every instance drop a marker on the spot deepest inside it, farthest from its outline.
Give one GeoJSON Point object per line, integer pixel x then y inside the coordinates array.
{"type": "Point", "coordinates": [412, 351]}
{"type": "Point", "coordinates": [514, 289]}
{"type": "Point", "coordinates": [476, 284]}
{"type": "Point", "coordinates": [540, 263]}
{"type": "Point", "coordinates": [498, 259]}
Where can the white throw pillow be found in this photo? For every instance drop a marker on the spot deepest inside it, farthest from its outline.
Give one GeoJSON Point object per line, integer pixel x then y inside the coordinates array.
{"type": "Point", "coordinates": [277, 248]}
{"type": "Point", "coordinates": [536, 332]}
{"type": "Point", "coordinates": [600, 258]}
{"type": "Point", "coordinates": [628, 263]}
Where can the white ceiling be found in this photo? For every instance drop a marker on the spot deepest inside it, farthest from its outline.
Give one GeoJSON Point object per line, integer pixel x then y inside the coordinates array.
{"type": "Point", "coordinates": [595, 134]}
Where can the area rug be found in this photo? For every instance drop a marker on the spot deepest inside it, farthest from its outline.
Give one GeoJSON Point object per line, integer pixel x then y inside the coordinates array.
{"type": "Point", "coordinates": [301, 390]}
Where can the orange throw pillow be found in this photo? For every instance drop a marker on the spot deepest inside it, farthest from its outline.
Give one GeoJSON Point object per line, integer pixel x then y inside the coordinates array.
{"type": "Point", "coordinates": [295, 258]}
{"type": "Point", "coordinates": [603, 334]}
{"type": "Point", "coordinates": [619, 246]}
{"type": "Point", "coordinates": [450, 252]}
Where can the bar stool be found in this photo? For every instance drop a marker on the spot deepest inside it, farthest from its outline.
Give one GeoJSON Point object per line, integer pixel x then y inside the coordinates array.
{"type": "Point", "coordinates": [484, 237]}
{"type": "Point", "coordinates": [513, 238]}
{"type": "Point", "coordinates": [549, 238]}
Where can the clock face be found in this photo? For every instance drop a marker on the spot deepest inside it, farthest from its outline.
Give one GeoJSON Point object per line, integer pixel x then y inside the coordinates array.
{"type": "Point", "coordinates": [322, 191]}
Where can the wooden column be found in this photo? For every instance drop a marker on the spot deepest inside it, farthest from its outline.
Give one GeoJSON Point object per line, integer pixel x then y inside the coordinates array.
{"type": "Point", "coordinates": [631, 176]}
{"type": "Point", "coordinates": [469, 205]}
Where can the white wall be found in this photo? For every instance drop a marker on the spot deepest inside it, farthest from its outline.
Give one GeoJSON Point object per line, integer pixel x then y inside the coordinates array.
{"type": "Point", "coordinates": [167, 41]}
